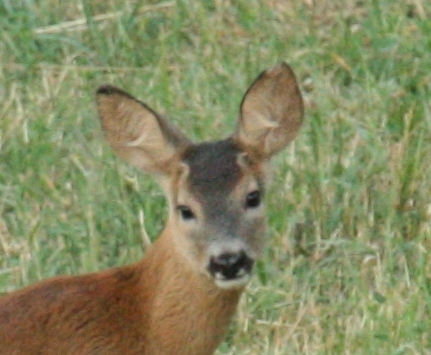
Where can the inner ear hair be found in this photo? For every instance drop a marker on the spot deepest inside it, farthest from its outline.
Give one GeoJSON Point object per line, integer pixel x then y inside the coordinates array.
{"type": "Point", "coordinates": [271, 113]}
{"type": "Point", "coordinates": [137, 133]}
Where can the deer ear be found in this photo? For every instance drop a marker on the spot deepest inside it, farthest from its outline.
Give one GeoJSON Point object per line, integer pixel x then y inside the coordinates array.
{"type": "Point", "coordinates": [271, 113]}
{"type": "Point", "coordinates": [137, 133]}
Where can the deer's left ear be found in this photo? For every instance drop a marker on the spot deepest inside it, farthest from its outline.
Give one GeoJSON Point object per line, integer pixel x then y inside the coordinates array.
{"type": "Point", "coordinates": [271, 113]}
{"type": "Point", "coordinates": [138, 134]}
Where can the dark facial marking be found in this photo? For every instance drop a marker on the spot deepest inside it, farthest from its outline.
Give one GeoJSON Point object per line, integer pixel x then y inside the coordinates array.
{"type": "Point", "coordinates": [213, 167]}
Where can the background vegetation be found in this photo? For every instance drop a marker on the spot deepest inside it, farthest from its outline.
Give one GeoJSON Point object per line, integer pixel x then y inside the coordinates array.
{"type": "Point", "coordinates": [348, 264]}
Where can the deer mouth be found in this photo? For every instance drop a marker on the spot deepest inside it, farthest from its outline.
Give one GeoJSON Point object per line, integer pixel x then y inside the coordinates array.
{"type": "Point", "coordinates": [231, 270]}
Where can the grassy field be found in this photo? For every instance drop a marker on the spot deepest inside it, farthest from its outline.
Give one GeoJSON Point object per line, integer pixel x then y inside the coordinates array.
{"type": "Point", "coordinates": [348, 264]}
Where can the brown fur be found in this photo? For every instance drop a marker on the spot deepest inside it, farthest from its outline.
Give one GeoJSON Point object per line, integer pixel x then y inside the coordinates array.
{"type": "Point", "coordinates": [180, 298]}
{"type": "Point", "coordinates": [121, 311]}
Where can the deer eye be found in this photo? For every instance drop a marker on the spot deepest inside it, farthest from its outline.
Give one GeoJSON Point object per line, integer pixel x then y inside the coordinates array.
{"type": "Point", "coordinates": [253, 199]}
{"type": "Point", "coordinates": [185, 212]}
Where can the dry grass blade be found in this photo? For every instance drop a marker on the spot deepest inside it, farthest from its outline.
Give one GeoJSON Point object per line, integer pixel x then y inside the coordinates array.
{"type": "Point", "coordinates": [82, 23]}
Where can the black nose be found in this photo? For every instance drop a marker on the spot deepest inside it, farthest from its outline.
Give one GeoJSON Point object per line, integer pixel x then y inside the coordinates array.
{"type": "Point", "coordinates": [230, 266]}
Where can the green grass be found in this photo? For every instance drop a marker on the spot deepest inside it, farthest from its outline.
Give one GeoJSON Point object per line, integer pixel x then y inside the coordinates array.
{"type": "Point", "coordinates": [348, 266]}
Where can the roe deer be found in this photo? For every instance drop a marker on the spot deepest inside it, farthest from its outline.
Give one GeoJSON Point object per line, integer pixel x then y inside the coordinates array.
{"type": "Point", "coordinates": [181, 297]}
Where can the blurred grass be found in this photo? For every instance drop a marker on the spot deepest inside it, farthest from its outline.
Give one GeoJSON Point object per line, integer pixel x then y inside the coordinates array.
{"type": "Point", "coordinates": [348, 266]}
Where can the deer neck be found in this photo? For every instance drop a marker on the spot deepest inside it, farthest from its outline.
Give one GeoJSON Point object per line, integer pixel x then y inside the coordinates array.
{"type": "Point", "coordinates": [188, 314]}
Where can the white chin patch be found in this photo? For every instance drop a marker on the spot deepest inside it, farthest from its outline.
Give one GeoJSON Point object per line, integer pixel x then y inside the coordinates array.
{"type": "Point", "coordinates": [226, 284]}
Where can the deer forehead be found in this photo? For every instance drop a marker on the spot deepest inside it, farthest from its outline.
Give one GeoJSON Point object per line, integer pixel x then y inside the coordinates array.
{"type": "Point", "coordinates": [216, 174]}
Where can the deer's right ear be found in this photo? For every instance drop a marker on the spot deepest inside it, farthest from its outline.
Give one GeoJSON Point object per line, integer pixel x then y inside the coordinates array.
{"type": "Point", "coordinates": [137, 133]}
{"type": "Point", "coordinates": [271, 113]}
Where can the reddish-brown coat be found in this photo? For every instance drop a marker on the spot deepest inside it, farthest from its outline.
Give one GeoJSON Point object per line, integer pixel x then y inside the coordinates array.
{"type": "Point", "coordinates": [177, 300]}
{"type": "Point", "coordinates": [156, 306]}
